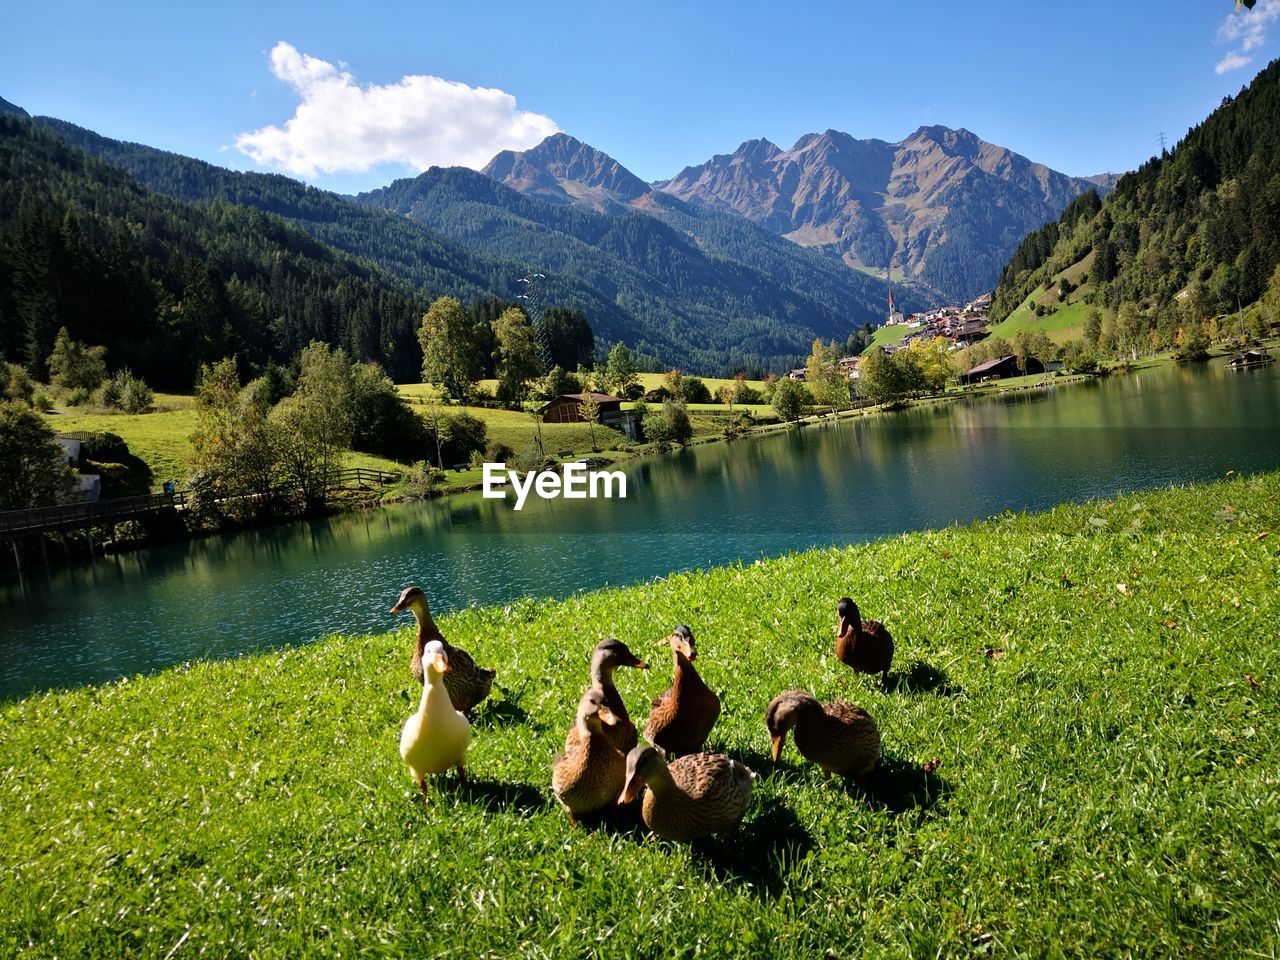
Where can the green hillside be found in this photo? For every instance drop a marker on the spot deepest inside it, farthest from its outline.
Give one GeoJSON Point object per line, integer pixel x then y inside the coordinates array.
{"type": "Point", "coordinates": [1192, 233]}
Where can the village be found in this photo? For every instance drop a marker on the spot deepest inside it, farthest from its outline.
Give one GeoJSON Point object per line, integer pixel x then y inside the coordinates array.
{"type": "Point", "coordinates": [959, 326]}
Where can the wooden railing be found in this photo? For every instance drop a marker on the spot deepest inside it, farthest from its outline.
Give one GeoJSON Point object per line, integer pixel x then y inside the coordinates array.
{"type": "Point", "coordinates": [70, 516]}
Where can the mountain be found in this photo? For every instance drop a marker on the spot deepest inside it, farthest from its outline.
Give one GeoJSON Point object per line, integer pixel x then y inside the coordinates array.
{"type": "Point", "coordinates": [686, 301]}
{"type": "Point", "coordinates": [166, 285]}
{"type": "Point", "coordinates": [405, 249]}
{"type": "Point", "coordinates": [777, 296]}
{"type": "Point", "coordinates": [942, 206]}
{"type": "Point", "coordinates": [565, 170]}
{"type": "Point", "coordinates": [11, 108]}
{"type": "Point", "coordinates": [1190, 234]}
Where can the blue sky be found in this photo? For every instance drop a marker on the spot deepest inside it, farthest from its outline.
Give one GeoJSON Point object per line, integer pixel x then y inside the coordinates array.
{"type": "Point", "coordinates": [1083, 87]}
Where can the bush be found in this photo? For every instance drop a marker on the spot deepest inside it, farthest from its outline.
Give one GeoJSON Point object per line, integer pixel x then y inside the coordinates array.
{"type": "Point", "coordinates": [669, 425]}
{"type": "Point", "coordinates": [746, 394]}
{"type": "Point", "coordinates": [79, 396]}
{"type": "Point", "coordinates": [695, 391]}
{"type": "Point", "coordinates": [461, 436]}
{"type": "Point", "coordinates": [101, 446]}
{"type": "Point", "coordinates": [15, 383]}
{"type": "Point", "coordinates": [126, 392]}
{"type": "Point", "coordinates": [632, 391]}
{"type": "Point", "coordinates": [40, 400]}
{"type": "Point", "coordinates": [421, 480]}
{"type": "Point", "coordinates": [495, 452]}
{"type": "Point", "coordinates": [381, 421]}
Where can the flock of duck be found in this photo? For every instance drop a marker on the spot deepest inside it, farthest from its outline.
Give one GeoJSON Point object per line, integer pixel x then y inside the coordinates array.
{"type": "Point", "coordinates": [689, 794]}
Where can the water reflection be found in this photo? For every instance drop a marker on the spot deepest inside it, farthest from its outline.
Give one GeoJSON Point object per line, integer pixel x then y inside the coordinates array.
{"type": "Point", "coordinates": [838, 483]}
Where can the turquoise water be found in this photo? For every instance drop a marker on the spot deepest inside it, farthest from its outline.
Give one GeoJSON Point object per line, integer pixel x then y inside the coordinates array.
{"type": "Point", "coordinates": [837, 483]}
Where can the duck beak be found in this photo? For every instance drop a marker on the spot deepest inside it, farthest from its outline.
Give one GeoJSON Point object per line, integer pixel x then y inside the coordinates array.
{"type": "Point", "coordinates": [641, 665]}
{"type": "Point", "coordinates": [441, 664]}
{"type": "Point", "coordinates": [631, 790]}
{"type": "Point", "coordinates": [608, 717]}
{"type": "Point", "coordinates": [778, 741]}
{"type": "Point", "coordinates": [397, 608]}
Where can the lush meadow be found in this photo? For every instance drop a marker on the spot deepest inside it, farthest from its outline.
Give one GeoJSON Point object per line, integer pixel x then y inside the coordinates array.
{"type": "Point", "coordinates": [1080, 759]}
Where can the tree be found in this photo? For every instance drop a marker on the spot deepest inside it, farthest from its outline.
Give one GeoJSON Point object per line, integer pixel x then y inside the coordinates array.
{"type": "Point", "coordinates": [568, 337]}
{"type": "Point", "coordinates": [559, 381]}
{"type": "Point", "coordinates": [319, 419]}
{"type": "Point", "coordinates": [127, 393]}
{"type": "Point", "coordinates": [589, 410]}
{"type": "Point", "coordinates": [15, 383]}
{"type": "Point", "coordinates": [620, 371]}
{"type": "Point", "coordinates": [450, 358]}
{"type": "Point", "coordinates": [827, 382]}
{"type": "Point", "coordinates": [33, 467]}
{"type": "Point", "coordinates": [1193, 342]}
{"type": "Point", "coordinates": [76, 367]}
{"type": "Point", "coordinates": [1271, 299]}
{"type": "Point", "coordinates": [381, 421]}
{"type": "Point", "coordinates": [517, 354]}
{"type": "Point", "coordinates": [235, 453]}
{"type": "Point", "coordinates": [1130, 326]}
{"type": "Point", "coordinates": [790, 399]}
{"type": "Point", "coordinates": [671, 424]}
{"type": "Point", "coordinates": [931, 360]}
{"type": "Point", "coordinates": [881, 377]}
{"type": "Point", "coordinates": [1093, 326]}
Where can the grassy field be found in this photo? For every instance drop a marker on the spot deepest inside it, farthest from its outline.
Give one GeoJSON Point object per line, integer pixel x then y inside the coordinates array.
{"type": "Point", "coordinates": [1065, 323]}
{"type": "Point", "coordinates": [1094, 690]}
{"type": "Point", "coordinates": [889, 334]}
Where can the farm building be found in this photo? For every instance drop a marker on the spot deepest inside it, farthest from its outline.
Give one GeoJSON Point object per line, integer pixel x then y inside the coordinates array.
{"type": "Point", "coordinates": [567, 408]}
{"type": "Point", "coordinates": [1000, 369]}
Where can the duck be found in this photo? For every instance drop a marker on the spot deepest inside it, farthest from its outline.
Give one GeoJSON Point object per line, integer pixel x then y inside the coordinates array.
{"type": "Point", "coordinates": [589, 775]}
{"type": "Point", "coordinates": [681, 719]}
{"type": "Point", "coordinates": [608, 655]}
{"type": "Point", "coordinates": [837, 736]}
{"type": "Point", "coordinates": [467, 684]}
{"type": "Point", "coordinates": [689, 798]}
{"type": "Point", "coordinates": [864, 645]}
{"type": "Point", "coordinates": [435, 739]}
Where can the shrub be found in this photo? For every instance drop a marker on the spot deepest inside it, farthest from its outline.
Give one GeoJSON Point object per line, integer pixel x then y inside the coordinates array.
{"type": "Point", "coordinates": [15, 383]}
{"type": "Point", "coordinates": [669, 425]}
{"type": "Point", "coordinates": [126, 392]}
{"type": "Point", "coordinates": [695, 391]}
{"type": "Point", "coordinates": [495, 452]}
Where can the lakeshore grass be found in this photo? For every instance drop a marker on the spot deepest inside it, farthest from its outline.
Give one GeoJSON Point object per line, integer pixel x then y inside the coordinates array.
{"type": "Point", "coordinates": [1097, 685]}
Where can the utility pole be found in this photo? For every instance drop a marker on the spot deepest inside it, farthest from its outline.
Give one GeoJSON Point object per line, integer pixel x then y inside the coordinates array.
{"type": "Point", "coordinates": [1160, 137]}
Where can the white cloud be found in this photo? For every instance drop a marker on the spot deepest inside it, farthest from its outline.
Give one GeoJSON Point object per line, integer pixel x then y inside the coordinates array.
{"type": "Point", "coordinates": [341, 126]}
{"type": "Point", "coordinates": [1249, 29]}
{"type": "Point", "coordinates": [1232, 61]}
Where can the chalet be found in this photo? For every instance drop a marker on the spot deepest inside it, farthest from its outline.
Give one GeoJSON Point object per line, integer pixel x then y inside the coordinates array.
{"type": "Point", "coordinates": [849, 367]}
{"type": "Point", "coordinates": [567, 408]}
{"type": "Point", "coordinates": [799, 373]}
{"type": "Point", "coordinates": [999, 369]}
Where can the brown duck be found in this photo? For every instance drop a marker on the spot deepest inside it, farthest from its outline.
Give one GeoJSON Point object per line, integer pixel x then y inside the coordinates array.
{"type": "Point", "coordinates": [864, 645]}
{"type": "Point", "coordinates": [608, 656]}
{"type": "Point", "coordinates": [467, 684]}
{"type": "Point", "coordinates": [681, 718]}
{"type": "Point", "coordinates": [693, 797]}
{"type": "Point", "coordinates": [837, 736]}
{"type": "Point", "coordinates": [586, 778]}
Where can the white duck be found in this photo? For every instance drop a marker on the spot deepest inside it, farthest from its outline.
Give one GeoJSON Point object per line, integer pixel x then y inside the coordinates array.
{"type": "Point", "coordinates": [436, 737]}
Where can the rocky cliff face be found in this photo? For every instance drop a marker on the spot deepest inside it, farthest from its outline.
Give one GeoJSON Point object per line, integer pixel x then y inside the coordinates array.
{"type": "Point", "coordinates": [942, 206]}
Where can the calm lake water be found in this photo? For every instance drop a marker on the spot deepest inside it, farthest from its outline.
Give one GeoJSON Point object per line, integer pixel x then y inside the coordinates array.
{"type": "Point", "coordinates": [838, 483]}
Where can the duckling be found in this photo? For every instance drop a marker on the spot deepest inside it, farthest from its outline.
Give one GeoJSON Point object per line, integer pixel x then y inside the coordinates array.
{"type": "Point", "coordinates": [436, 737]}
{"type": "Point", "coordinates": [693, 797]}
{"type": "Point", "coordinates": [467, 684]}
{"type": "Point", "coordinates": [608, 656]}
{"type": "Point", "coordinates": [588, 775]}
{"type": "Point", "coordinates": [837, 736]}
{"type": "Point", "coordinates": [681, 718]}
{"type": "Point", "coordinates": [864, 645]}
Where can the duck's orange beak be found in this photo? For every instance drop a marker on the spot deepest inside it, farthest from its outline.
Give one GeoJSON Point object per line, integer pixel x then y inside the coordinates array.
{"type": "Point", "coordinates": [441, 664]}
{"type": "Point", "coordinates": [778, 741]}
{"type": "Point", "coordinates": [608, 717]}
{"type": "Point", "coordinates": [396, 609]}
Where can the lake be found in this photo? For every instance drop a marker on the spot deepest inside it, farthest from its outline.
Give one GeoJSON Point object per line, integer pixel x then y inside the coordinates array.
{"type": "Point", "coordinates": [844, 482]}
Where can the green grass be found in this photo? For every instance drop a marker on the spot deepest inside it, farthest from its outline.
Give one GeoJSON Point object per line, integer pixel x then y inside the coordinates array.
{"type": "Point", "coordinates": [1108, 781]}
{"type": "Point", "coordinates": [1063, 324]}
{"type": "Point", "coordinates": [160, 438]}
{"type": "Point", "coordinates": [889, 334]}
